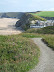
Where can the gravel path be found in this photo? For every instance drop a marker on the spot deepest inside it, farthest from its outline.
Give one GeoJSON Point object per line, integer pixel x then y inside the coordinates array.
{"type": "Point", "coordinates": [7, 26]}
{"type": "Point", "coordinates": [46, 61]}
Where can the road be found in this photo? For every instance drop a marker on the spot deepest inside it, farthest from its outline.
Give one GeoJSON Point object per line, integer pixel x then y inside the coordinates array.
{"type": "Point", "coordinates": [46, 60]}
{"type": "Point", "coordinates": [7, 26]}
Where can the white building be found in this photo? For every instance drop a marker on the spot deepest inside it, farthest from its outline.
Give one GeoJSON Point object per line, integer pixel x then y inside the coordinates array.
{"type": "Point", "coordinates": [41, 24]}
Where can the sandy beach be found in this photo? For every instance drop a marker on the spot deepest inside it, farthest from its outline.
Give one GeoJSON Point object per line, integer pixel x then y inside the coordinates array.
{"type": "Point", "coordinates": [7, 26]}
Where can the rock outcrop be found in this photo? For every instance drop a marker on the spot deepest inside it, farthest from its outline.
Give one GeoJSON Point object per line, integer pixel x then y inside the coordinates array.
{"type": "Point", "coordinates": [24, 20]}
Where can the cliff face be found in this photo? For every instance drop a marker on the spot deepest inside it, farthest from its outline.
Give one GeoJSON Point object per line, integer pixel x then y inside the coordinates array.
{"type": "Point", "coordinates": [24, 20]}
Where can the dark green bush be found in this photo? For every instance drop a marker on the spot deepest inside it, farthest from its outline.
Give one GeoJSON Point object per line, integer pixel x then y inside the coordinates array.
{"type": "Point", "coordinates": [45, 30]}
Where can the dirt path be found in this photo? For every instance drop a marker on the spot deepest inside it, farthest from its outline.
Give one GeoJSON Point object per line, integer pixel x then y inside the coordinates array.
{"type": "Point", "coordinates": [7, 26]}
{"type": "Point", "coordinates": [46, 61]}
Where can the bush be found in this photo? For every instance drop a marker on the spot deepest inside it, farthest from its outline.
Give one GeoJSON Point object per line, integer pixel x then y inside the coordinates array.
{"type": "Point", "coordinates": [26, 26]}
{"type": "Point", "coordinates": [45, 30]}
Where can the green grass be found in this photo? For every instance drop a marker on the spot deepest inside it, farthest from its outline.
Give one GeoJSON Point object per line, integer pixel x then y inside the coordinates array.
{"type": "Point", "coordinates": [31, 35]}
{"type": "Point", "coordinates": [17, 54]}
{"type": "Point", "coordinates": [49, 40]}
{"type": "Point", "coordinates": [45, 30]}
{"type": "Point", "coordinates": [35, 17]}
{"type": "Point", "coordinates": [45, 13]}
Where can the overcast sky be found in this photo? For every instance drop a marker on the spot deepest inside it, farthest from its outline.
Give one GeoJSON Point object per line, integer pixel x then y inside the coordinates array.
{"type": "Point", "coordinates": [26, 5]}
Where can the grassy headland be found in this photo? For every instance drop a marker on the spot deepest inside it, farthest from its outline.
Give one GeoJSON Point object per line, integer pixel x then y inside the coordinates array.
{"type": "Point", "coordinates": [44, 13]}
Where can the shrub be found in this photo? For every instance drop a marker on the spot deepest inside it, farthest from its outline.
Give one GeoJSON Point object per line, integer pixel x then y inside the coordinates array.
{"type": "Point", "coordinates": [45, 30]}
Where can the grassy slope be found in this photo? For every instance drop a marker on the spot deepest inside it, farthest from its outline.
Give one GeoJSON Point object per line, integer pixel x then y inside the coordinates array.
{"type": "Point", "coordinates": [13, 14]}
{"type": "Point", "coordinates": [31, 35]}
{"type": "Point", "coordinates": [45, 30]}
{"type": "Point", "coordinates": [49, 40]}
{"type": "Point", "coordinates": [45, 13]}
{"type": "Point", "coordinates": [17, 54]}
{"type": "Point", "coordinates": [35, 17]}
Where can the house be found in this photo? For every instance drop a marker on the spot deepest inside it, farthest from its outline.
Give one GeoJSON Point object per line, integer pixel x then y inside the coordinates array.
{"type": "Point", "coordinates": [41, 24]}
{"type": "Point", "coordinates": [35, 26]}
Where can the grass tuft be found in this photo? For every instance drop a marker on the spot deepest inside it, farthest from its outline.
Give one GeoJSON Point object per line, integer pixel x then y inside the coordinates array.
{"type": "Point", "coordinates": [49, 40]}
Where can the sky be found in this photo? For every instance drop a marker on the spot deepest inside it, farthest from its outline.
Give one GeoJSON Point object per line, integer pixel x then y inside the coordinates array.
{"type": "Point", "coordinates": [26, 5]}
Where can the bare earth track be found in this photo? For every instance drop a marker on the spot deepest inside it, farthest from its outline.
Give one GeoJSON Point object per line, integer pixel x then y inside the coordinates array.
{"type": "Point", "coordinates": [7, 26]}
{"type": "Point", "coordinates": [46, 61]}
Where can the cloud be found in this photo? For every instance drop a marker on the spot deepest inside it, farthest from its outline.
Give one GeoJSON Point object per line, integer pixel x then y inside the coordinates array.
{"type": "Point", "coordinates": [51, 9]}
{"type": "Point", "coordinates": [11, 1]}
{"type": "Point", "coordinates": [26, 5]}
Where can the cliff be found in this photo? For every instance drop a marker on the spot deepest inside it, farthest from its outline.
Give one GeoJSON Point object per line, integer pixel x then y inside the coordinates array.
{"type": "Point", "coordinates": [26, 19]}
